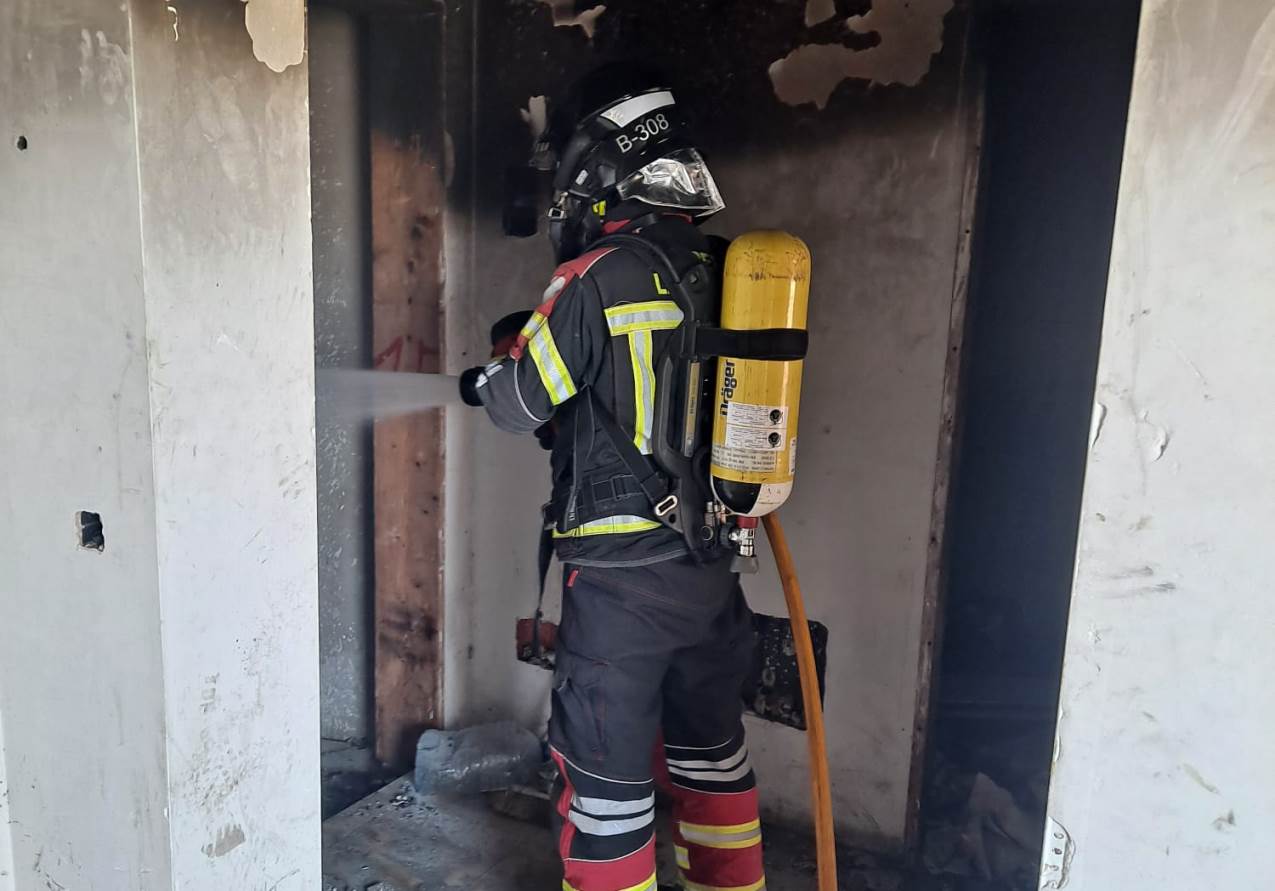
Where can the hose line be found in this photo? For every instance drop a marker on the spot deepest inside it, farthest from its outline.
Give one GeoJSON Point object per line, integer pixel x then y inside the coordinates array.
{"type": "Point", "coordinates": [821, 801]}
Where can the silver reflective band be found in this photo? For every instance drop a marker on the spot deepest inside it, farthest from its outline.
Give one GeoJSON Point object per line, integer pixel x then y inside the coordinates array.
{"type": "Point", "coordinates": [607, 807]}
{"type": "Point", "coordinates": [713, 776]}
{"type": "Point", "coordinates": [724, 764]}
{"type": "Point", "coordinates": [654, 315]}
{"type": "Point", "coordinates": [631, 109]}
{"type": "Point", "coordinates": [590, 826]}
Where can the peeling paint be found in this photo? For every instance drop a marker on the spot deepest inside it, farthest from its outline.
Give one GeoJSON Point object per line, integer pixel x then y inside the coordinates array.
{"type": "Point", "coordinates": [1056, 856]}
{"type": "Point", "coordinates": [819, 11]}
{"type": "Point", "coordinates": [910, 33]}
{"type": "Point", "coordinates": [277, 29]}
{"type": "Point", "coordinates": [535, 115]}
{"type": "Point", "coordinates": [565, 16]}
{"type": "Point", "coordinates": [1154, 440]}
{"type": "Point", "coordinates": [1095, 424]}
{"type": "Point", "coordinates": [176, 22]}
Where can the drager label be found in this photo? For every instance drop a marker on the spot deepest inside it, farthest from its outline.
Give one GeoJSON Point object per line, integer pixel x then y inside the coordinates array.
{"type": "Point", "coordinates": [770, 417]}
{"type": "Point", "coordinates": [745, 460]}
{"type": "Point", "coordinates": [729, 383]}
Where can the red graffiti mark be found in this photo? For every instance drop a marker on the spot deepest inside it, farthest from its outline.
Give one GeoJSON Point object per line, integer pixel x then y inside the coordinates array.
{"type": "Point", "coordinates": [394, 350]}
{"type": "Point", "coordinates": [420, 355]}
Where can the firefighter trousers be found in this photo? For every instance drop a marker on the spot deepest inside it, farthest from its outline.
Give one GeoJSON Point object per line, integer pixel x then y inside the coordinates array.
{"type": "Point", "coordinates": [651, 662]}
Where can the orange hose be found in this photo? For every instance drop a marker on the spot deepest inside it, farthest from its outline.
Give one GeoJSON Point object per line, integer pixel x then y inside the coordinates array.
{"type": "Point", "coordinates": [821, 802]}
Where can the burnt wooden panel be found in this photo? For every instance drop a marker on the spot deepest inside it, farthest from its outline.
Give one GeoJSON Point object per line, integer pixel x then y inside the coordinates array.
{"type": "Point", "coordinates": [969, 114]}
{"type": "Point", "coordinates": [407, 205]}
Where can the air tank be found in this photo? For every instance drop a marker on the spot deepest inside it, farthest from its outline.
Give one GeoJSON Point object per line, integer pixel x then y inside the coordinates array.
{"type": "Point", "coordinates": [765, 284]}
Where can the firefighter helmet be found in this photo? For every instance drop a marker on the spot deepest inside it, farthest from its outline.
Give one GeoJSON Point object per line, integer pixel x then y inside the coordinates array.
{"type": "Point", "coordinates": [620, 144]}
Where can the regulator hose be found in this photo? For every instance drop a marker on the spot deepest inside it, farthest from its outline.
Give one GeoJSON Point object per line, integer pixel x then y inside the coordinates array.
{"type": "Point", "coordinates": [821, 799]}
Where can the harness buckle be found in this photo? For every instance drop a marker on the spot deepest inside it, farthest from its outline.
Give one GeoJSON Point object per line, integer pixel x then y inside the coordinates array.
{"type": "Point", "coordinates": [667, 506]}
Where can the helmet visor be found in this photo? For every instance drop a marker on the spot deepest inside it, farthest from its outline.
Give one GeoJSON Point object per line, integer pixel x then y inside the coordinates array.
{"type": "Point", "coordinates": [678, 180]}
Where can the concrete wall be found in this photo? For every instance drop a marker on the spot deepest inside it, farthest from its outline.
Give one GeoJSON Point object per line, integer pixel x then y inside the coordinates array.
{"type": "Point", "coordinates": [7, 879]}
{"type": "Point", "coordinates": [80, 661]}
{"type": "Point", "coordinates": [1162, 770]}
{"type": "Point", "coordinates": [874, 183]}
{"type": "Point", "coordinates": [342, 339]}
{"type": "Point", "coordinates": [160, 698]}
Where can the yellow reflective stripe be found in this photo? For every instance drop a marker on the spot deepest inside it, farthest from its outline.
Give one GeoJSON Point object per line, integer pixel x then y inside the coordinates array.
{"type": "Point", "coordinates": [609, 526]}
{"type": "Point", "coordinates": [647, 885]}
{"type": "Point", "coordinates": [643, 389]}
{"type": "Point", "coordinates": [721, 830]}
{"type": "Point", "coordinates": [652, 315]}
{"type": "Point", "coordinates": [743, 835]}
{"type": "Point", "coordinates": [723, 845]}
{"type": "Point", "coordinates": [688, 885]}
{"type": "Point", "coordinates": [554, 376]}
{"type": "Point", "coordinates": [683, 857]}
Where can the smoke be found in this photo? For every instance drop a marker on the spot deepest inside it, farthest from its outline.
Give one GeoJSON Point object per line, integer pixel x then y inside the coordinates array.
{"type": "Point", "coordinates": [351, 396]}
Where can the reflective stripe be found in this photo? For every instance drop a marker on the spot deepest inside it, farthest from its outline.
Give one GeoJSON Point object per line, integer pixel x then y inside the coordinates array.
{"type": "Point", "coordinates": [653, 315]}
{"type": "Point", "coordinates": [741, 835]}
{"type": "Point", "coordinates": [688, 885]}
{"type": "Point", "coordinates": [683, 857]}
{"type": "Point", "coordinates": [631, 109]}
{"type": "Point", "coordinates": [648, 885]}
{"type": "Point", "coordinates": [643, 389]}
{"type": "Point", "coordinates": [609, 526]}
{"type": "Point", "coordinates": [578, 768]}
{"type": "Point", "coordinates": [607, 807]}
{"type": "Point", "coordinates": [548, 361]}
{"type": "Point", "coordinates": [637, 321]}
{"type": "Point", "coordinates": [724, 844]}
{"type": "Point", "coordinates": [733, 829]}
{"type": "Point", "coordinates": [592, 826]}
{"type": "Point", "coordinates": [668, 747]}
{"type": "Point", "coordinates": [713, 775]}
{"type": "Point", "coordinates": [725, 764]}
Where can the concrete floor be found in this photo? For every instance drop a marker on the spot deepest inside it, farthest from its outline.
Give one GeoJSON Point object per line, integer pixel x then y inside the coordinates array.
{"type": "Point", "coordinates": [395, 840]}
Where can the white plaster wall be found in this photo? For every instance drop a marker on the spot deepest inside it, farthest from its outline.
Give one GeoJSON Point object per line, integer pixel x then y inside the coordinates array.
{"type": "Point", "coordinates": [7, 879]}
{"type": "Point", "coordinates": [880, 209]}
{"type": "Point", "coordinates": [224, 156]}
{"type": "Point", "coordinates": [1163, 774]}
{"type": "Point", "coordinates": [81, 683]}
{"type": "Point", "coordinates": [159, 699]}
{"type": "Point", "coordinates": [859, 518]}
{"type": "Point", "coordinates": [492, 533]}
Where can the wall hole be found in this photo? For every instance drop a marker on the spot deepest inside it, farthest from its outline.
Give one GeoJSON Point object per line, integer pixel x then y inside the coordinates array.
{"type": "Point", "coordinates": [21, 143]}
{"type": "Point", "coordinates": [91, 535]}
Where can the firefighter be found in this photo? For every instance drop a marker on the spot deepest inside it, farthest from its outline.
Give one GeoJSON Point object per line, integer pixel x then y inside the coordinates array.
{"type": "Point", "coordinates": [655, 639]}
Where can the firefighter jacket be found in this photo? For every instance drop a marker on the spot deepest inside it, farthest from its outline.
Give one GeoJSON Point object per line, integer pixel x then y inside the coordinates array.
{"type": "Point", "coordinates": [590, 347]}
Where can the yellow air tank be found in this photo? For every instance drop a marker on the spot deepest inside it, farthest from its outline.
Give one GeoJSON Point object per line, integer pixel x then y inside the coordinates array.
{"type": "Point", "coordinates": [765, 284]}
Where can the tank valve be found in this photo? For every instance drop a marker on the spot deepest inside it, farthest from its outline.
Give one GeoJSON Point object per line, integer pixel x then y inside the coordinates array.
{"type": "Point", "coordinates": [744, 538]}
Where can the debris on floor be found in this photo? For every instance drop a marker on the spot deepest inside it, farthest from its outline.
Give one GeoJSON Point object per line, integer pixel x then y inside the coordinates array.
{"type": "Point", "coordinates": [350, 772]}
{"type": "Point", "coordinates": [397, 840]}
{"type": "Point", "coordinates": [483, 758]}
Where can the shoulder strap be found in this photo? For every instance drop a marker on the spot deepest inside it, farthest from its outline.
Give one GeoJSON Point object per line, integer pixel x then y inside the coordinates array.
{"type": "Point", "coordinates": [654, 485]}
{"type": "Point", "coordinates": [651, 250]}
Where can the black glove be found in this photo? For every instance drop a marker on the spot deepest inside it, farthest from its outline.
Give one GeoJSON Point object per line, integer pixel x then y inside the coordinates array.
{"type": "Point", "coordinates": [545, 434]}
{"type": "Point", "coordinates": [469, 386]}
